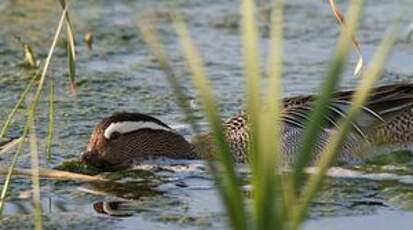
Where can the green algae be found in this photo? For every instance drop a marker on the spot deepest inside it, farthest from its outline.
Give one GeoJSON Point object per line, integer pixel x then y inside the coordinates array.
{"type": "Point", "coordinates": [204, 221]}
{"type": "Point", "coordinates": [398, 162]}
{"type": "Point", "coordinates": [127, 183]}
{"type": "Point", "coordinates": [58, 221]}
{"type": "Point", "coordinates": [130, 191]}
{"type": "Point", "coordinates": [400, 196]}
{"type": "Point", "coordinates": [134, 174]}
{"type": "Point", "coordinates": [77, 166]}
{"type": "Point", "coordinates": [401, 157]}
{"type": "Point", "coordinates": [343, 197]}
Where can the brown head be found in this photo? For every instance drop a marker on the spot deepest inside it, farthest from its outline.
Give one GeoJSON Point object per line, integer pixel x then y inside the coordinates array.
{"type": "Point", "coordinates": [124, 139]}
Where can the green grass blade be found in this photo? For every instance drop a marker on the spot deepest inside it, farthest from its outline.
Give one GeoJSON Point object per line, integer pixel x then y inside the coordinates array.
{"type": "Point", "coordinates": [47, 62]}
{"type": "Point", "coordinates": [268, 198]}
{"type": "Point", "coordinates": [72, 67]}
{"type": "Point", "coordinates": [19, 102]}
{"type": "Point", "coordinates": [50, 132]}
{"type": "Point", "coordinates": [31, 109]}
{"type": "Point", "coordinates": [335, 140]}
{"type": "Point", "coordinates": [316, 119]}
{"type": "Point", "coordinates": [7, 180]}
{"type": "Point", "coordinates": [35, 172]}
{"type": "Point", "coordinates": [250, 48]}
{"type": "Point", "coordinates": [409, 32]}
{"type": "Point", "coordinates": [71, 49]}
{"type": "Point", "coordinates": [152, 40]}
{"type": "Point", "coordinates": [232, 195]}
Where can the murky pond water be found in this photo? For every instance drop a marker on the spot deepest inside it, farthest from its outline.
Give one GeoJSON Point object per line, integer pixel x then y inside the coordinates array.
{"type": "Point", "coordinates": [119, 74]}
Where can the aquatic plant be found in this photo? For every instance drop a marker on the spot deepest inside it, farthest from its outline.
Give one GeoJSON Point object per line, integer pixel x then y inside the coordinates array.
{"type": "Point", "coordinates": [70, 48]}
{"type": "Point", "coordinates": [39, 79]}
{"type": "Point", "coordinates": [279, 202]}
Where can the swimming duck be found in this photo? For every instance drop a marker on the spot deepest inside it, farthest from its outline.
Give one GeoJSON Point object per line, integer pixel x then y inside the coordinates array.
{"type": "Point", "coordinates": [124, 138]}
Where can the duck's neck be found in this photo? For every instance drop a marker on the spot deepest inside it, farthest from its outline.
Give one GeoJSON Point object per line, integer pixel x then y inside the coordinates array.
{"type": "Point", "coordinates": [203, 146]}
{"type": "Point", "coordinates": [205, 149]}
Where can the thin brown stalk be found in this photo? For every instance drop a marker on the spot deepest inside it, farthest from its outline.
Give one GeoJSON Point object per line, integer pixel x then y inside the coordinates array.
{"type": "Point", "coordinates": [341, 20]}
{"type": "Point", "coordinates": [10, 145]}
{"type": "Point", "coordinates": [55, 174]}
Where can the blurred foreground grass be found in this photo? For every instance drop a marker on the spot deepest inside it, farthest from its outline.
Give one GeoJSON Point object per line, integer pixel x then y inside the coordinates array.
{"type": "Point", "coordinates": [278, 202]}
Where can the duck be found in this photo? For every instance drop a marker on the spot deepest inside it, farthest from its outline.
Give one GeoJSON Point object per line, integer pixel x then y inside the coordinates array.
{"type": "Point", "coordinates": [125, 139]}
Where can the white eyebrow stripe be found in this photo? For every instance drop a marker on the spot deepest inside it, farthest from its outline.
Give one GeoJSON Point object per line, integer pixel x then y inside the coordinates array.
{"type": "Point", "coordinates": [130, 126]}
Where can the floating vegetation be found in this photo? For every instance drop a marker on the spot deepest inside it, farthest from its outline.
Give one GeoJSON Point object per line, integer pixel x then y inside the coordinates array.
{"type": "Point", "coordinates": [76, 166]}
{"type": "Point", "coordinates": [88, 39]}
{"type": "Point", "coordinates": [401, 157]}
{"type": "Point", "coordinates": [30, 58]}
{"type": "Point", "coordinates": [72, 220]}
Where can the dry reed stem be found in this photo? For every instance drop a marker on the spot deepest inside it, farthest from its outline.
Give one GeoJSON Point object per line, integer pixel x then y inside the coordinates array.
{"type": "Point", "coordinates": [54, 174]}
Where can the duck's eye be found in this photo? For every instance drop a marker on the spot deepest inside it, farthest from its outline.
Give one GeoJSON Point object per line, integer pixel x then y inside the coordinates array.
{"type": "Point", "coordinates": [115, 135]}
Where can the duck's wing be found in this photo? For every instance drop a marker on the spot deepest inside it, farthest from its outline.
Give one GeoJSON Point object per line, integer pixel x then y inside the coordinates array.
{"type": "Point", "coordinates": [298, 109]}
{"type": "Point", "coordinates": [383, 105]}
{"type": "Point", "coordinates": [389, 101]}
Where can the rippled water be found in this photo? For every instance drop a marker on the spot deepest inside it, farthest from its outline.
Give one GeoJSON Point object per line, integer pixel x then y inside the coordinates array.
{"type": "Point", "coordinates": [119, 74]}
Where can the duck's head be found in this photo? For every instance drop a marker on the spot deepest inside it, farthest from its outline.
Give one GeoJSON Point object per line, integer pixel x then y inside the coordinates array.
{"type": "Point", "coordinates": [124, 139]}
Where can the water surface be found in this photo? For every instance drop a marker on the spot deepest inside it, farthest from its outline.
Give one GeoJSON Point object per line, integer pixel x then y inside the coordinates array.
{"type": "Point", "coordinates": [119, 74]}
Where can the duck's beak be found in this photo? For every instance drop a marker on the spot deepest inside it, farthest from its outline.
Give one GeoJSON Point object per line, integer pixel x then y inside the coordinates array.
{"type": "Point", "coordinates": [90, 158]}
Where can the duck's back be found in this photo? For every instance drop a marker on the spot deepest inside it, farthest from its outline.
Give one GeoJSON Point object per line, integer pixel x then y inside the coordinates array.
{"type": "Point", "coordinates": [386, 119]}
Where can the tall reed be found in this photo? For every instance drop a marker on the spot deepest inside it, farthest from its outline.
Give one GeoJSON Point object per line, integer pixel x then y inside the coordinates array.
{"type": "Point", "coordinates": [70, 48]}
{"type": "Point", "coordinates": [29, 127]}
{"type": "Point", "coordinates": [31, 111]}
{"type": "Point", "coordinates": [35, 171]}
